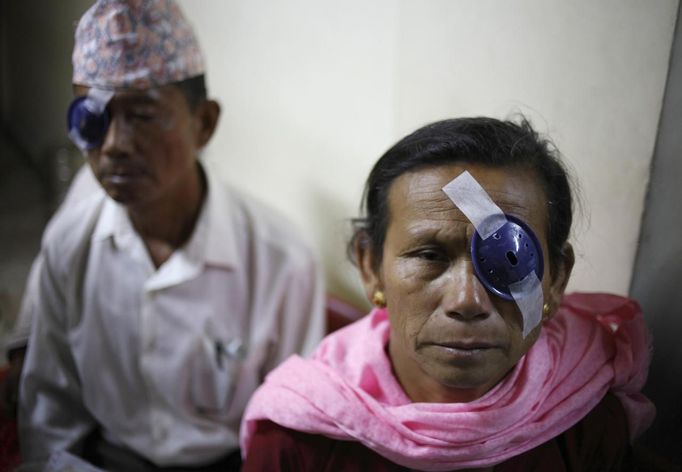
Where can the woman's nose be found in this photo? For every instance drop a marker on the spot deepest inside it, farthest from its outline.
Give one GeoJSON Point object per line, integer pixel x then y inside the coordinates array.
{"type": "Point", "coordinates": [464, 297]}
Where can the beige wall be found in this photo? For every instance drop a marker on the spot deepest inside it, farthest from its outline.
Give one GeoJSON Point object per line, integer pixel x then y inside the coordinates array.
{"type": "Point", "coordinates": [314, 91]}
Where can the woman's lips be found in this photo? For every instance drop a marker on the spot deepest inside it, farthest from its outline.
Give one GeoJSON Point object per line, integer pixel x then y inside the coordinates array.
{"type": "Point", "coordinates": [467, 345]}
{"type": "Point", "coordinates": [462, 350]}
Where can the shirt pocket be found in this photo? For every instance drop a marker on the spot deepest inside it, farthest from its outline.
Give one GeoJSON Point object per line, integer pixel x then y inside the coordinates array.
{"type": "Point", "coordinates": [214, 368]}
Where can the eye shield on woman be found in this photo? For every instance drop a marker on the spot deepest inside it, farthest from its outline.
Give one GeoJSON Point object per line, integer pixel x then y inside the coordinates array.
{"type": "Point", "coordinates": [506, 257]}
{"type": "Point", "coordinates": [506, 254]}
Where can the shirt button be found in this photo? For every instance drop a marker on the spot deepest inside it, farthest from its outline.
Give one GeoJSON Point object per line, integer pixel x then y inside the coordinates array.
{"type": "Point", "coordinates": [162, 433]}
{"type": "Point", "coordinates": [236, 349]}
{"type": "Point", "coordinates": [159, 429]}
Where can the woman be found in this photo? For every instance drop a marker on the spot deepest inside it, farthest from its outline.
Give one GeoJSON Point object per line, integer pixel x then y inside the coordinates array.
{"type": "Point", "coordinates": [470, 359]}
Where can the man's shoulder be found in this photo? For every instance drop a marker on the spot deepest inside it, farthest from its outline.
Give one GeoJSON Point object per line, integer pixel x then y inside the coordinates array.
{"type": "Point", "coordinates": [268, 228]}
{"type": "Point", "coordinates": [71, 226]}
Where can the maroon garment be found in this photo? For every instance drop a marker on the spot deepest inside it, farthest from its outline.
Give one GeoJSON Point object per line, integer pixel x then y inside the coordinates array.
{"type": "Point", "coordinates": [10, 458]}
{"type": "Point", "coordinates": [599, 442]}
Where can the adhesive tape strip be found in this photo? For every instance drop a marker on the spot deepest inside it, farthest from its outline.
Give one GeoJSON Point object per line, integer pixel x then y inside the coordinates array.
{"type": "Point", "coordinates": [472, 200]}
{"type": "Point", "coordinates": [529, 298]}
{"type": "Point", "coordinates": [98, 99]}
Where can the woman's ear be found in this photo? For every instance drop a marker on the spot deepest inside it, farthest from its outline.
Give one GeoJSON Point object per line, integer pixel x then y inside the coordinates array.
{"type": "Point", "coordinates": [365, 260]}
{"type": "Point", "coordinates": [560, 277]}
{"type": "Point", "coordinates": [207, 114]}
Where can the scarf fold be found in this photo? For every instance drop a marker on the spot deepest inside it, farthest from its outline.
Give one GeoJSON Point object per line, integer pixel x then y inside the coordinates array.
{"type": "Point", "coordinates": [347, 391]}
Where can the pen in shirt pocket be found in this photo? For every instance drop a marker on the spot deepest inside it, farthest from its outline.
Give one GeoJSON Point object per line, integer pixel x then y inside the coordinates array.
{"type": "Point", "coordinates": [232, 349]}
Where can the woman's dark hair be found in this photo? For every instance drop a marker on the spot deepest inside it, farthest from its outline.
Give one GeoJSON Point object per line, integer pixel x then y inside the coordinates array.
{"type": "Point", "coordinates": [484, 141]}
{"type": "Point", "coordinates": [194, 90]}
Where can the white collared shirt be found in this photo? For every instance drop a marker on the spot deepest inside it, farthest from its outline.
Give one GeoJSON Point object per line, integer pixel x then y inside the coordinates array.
{"type": "Point", "coordinates": [163, 360]}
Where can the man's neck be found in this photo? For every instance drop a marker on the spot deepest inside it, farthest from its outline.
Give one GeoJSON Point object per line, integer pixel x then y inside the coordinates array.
{"type": "Point", "coordinates": [166, 224]}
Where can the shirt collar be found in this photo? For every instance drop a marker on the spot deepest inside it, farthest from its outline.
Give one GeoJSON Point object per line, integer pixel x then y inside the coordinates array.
{"type": "Point", "coordinates": [213, 240]}
{"type": "Point", "coordinates": [113, 223]}
{"type": "Point", "coordinates": [222, 218]}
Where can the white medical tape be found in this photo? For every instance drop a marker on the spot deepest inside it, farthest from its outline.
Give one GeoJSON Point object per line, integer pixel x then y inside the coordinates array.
{"type": "Point", "coordinates": [476, 204]}
{"type": "Point", "coordinates": [98, 99]}
{"type": "Point", "coordinates": [529, 298]}
{"type": "Point", "coordinates": [472, 200]}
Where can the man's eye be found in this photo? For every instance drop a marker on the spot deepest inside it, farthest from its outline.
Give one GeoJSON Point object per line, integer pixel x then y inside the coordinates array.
{"type": "Point", "coordinates": [142, 116]}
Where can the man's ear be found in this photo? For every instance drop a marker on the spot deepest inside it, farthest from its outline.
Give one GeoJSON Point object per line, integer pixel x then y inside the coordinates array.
{"type": "Point", "coordinates": [366, 262]}
{"type": "Point", "coordinates": [560, 276]}
{"type": "Point", "coordinates": [207, 114]}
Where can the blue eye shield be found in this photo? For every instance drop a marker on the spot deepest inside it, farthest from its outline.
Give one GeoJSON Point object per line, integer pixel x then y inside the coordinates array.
{"type": "Point", "coordinates": [88, 119]}
{"type": "Point", "coordinates": [506, 257]}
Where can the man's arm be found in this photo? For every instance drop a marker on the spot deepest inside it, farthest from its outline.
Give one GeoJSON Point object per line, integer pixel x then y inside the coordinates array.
{"type": "Point", "coordinates": [301, 313]}
{"type": "Point", "coordinates": [82, 186]}
{"type": "Point", "coordinates": [15, 346]}
{"type": "Point", "coordinates": [52, 416]}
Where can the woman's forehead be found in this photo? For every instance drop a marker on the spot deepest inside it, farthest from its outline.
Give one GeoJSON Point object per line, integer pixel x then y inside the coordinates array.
{"type": "Point", "coordinates": [419, 194]}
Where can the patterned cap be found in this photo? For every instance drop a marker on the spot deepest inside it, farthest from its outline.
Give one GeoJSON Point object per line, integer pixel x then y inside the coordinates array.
{"type": "Point", "coordinates": [134, 44]}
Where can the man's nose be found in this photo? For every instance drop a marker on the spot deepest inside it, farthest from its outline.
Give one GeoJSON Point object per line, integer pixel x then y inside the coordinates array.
{"type": "Point", "coordinates": [464, 296]}
{"type": "Point", "coordinates": [118, 140]}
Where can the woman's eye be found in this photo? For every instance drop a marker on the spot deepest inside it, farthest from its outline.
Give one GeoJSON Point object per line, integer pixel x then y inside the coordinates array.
{"type": "Point", "coordinates": [431, 255]}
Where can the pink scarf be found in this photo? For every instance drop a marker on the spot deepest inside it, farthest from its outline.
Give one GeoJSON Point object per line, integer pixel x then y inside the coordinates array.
{"type": "Point", "coordinates": [593, 344]}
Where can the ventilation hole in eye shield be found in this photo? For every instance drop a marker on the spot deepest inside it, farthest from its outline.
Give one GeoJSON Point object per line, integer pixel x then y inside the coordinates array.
{"type": "Point", "coordinates": [496, 236]}
{"type": "Point", "coordinates": [511, 257]}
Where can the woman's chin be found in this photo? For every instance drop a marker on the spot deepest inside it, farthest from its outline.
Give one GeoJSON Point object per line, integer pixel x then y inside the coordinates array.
{"type": "Point", "coordinates": [463, 382]}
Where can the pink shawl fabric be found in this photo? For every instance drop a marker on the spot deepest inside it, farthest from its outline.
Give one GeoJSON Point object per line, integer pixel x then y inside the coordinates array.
{"type": "Point", "coordinates": [595, 343]}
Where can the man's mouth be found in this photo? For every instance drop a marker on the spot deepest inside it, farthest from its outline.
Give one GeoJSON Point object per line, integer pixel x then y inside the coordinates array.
{"type": "Point", "coordinates": [122, 175]}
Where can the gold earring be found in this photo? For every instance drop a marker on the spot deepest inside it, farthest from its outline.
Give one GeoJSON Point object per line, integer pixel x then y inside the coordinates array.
{"type": "Point", "coordinates": [379, 299]}
{"type": "Point", "coordinates": [545, 311]}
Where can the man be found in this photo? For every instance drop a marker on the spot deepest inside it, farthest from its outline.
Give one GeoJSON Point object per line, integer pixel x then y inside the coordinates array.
{"type": "Point", "coordinates": [163, 300]}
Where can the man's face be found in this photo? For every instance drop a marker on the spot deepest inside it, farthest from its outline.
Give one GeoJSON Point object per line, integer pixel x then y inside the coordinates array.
{"type": "Point", "coordinates": [149, 151]}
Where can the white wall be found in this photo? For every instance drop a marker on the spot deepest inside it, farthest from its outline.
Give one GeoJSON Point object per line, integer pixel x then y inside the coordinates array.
{"type": "Point", "coordinates": [313, 91]}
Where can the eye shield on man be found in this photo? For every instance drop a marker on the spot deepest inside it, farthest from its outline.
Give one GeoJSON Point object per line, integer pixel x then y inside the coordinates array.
{"type": "Point", "coordinates": [88, 119]}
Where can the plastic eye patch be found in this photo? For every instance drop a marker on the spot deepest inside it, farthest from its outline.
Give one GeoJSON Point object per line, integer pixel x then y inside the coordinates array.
{"type": "Point", "coordinates": [506, 257]}
{"type": "Point", "coordinates": [88, 119]}
{"type": "Point", "coordinates": [87, 125]}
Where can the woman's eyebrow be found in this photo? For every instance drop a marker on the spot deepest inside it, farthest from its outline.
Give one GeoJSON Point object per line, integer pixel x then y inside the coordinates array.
{"type": "Point", "coordinates": [507, 203]}
{"type": "Point", "coordinates": [423, 231]}
{"type": "Point", "coordinates": [520, 211]}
